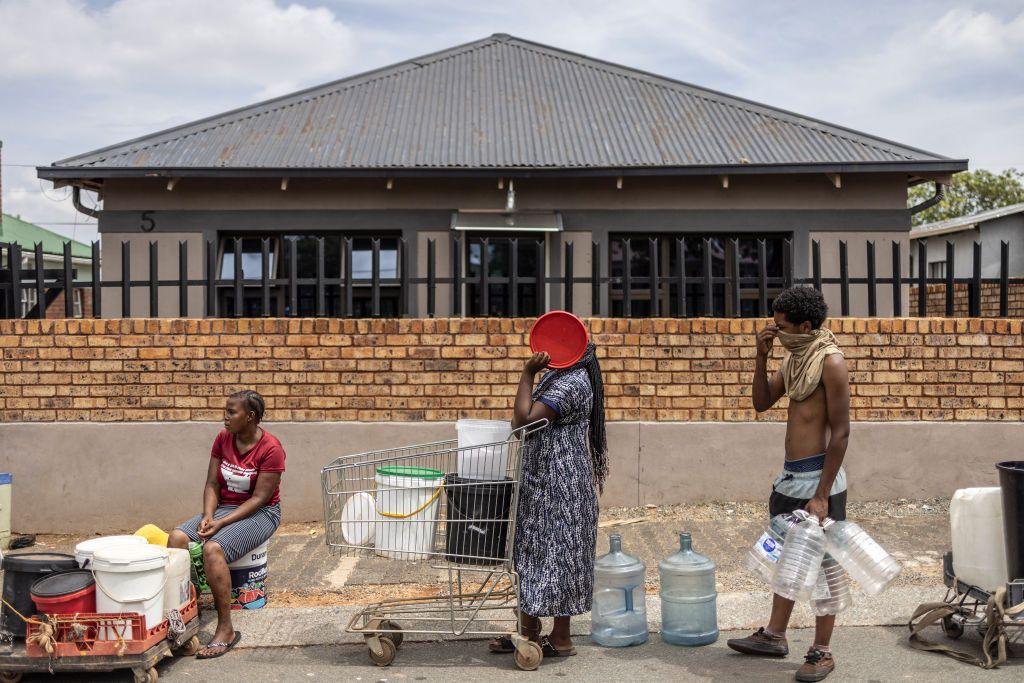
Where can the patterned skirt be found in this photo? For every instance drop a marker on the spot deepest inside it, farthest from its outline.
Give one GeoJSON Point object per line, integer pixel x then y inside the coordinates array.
{"type": "Point", "coordinates": [556, 529]}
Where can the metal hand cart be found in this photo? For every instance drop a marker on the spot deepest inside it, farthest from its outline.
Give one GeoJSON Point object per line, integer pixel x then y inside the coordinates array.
{"type": "Point", "coordinates": [971, 602]}
{"type": "Point", "coordinates": [408, 504]}
{"type": "Point", "coordinates": [91, 643]}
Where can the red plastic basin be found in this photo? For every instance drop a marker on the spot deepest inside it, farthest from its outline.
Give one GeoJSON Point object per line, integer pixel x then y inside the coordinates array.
{"type": "Point", "coordinates": [562, 335]}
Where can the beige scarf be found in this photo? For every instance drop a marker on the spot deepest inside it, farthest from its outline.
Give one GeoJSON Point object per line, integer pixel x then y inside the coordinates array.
{"type": "Point", "coordinates": [801, 368]}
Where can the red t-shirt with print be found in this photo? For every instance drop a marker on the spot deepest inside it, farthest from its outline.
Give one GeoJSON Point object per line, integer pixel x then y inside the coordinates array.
{"type": "Point", "coordinates": [239, 471]}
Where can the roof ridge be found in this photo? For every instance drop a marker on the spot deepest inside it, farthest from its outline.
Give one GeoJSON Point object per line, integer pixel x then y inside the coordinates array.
{"type": "Point", "coordinates": [718, 97]}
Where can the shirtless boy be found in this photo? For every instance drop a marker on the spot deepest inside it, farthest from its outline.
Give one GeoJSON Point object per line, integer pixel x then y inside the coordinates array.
{"type": "Point", "coordinates": [814, 377]}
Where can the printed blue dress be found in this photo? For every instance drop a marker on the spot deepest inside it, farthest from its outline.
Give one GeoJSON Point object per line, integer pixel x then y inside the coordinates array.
{"type": "Point", "coordinates": [557, 516]}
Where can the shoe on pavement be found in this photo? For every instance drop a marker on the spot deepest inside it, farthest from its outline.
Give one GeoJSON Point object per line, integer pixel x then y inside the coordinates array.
{"type": "Point", "coordinates": [761, 643]}
{"type": "Point", "coordinates": [817, 665]}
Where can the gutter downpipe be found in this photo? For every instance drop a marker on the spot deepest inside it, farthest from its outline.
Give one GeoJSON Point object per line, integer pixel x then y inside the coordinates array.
{"type": "Point", "coordinates": [940, 192]}
{"type": "Point", "coordinates": [76, 200]}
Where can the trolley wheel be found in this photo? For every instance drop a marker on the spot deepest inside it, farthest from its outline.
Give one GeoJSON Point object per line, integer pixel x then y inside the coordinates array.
{"type": "Point", "coordinates": [191, 646]}
{"type": "Point", "coordinates": [394, 634]}
{"type": "Point", "coordinates": [10, 677]}
{"type": "Point", "coordinates": [528, 656]}
{"type": "Point", "coordinates": [387, 654]}
{"type": "Point", "coordinates": [952, 628]}
{"type": "Point", "coordinates": [149, 675]}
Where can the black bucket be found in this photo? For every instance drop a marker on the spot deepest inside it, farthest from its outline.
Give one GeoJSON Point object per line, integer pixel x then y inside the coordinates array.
{"type": "Point", "coordinates": [477, 522]}
{"type": "Point", "coordinates": [20, 572]}
{"type": "Point", "coordinates": [1011, 480]}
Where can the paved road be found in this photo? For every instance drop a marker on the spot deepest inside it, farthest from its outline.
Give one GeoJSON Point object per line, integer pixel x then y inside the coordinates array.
{"type": "Point", "coordinates": [863, 654]}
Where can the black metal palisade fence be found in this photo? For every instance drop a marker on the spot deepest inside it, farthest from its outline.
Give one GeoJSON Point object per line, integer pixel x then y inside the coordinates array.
{"type": "Point", "coordinates": [13, 281]}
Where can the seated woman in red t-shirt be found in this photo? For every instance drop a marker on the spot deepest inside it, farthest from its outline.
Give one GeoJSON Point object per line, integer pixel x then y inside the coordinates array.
{"type": "Point", "coordinates": [241, 507]}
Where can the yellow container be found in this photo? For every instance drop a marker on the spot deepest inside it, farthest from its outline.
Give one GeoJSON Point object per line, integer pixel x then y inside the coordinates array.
{"type": "Point", "coordinates": [153, 535]}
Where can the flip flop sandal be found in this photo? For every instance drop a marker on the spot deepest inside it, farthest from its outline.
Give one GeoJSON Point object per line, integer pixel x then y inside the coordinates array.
{"type": "Point", "coordinates": [226, 647]}
{"type": "Point", "coordinates": [549, 649]}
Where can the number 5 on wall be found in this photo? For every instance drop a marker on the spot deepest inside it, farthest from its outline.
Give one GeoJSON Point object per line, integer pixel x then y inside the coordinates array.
{"type": "Point", "coordinates": [148, 224]}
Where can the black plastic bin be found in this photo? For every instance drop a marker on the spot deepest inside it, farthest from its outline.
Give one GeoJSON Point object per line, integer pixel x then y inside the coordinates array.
{"type": "Point", "coordinates": [477, 522]}
{"type": "Point", "coordinates": [1011, 480]}
{"type": "Point", "coordinates": [20, 572]}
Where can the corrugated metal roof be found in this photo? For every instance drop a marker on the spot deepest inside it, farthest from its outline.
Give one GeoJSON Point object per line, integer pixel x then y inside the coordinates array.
{"type": "Point", "coordinates": [13, 229]}
{"type": "Point", "coordinates": [500, 103]}
{"type": "Point", "coordinates": [952, 225]}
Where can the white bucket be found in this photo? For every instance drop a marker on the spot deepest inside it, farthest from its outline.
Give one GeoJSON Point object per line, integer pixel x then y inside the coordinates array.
{"type": "Point", "coordinates": [130, 579]}
{"type": "Point", "coordinates": [407, 502]}
{"type": "Point", "coordinates": [477, 459]}
{"type": "Point", "coordinates": [86, 549]}
{"type": "Point", "coordinates": [178, 591]}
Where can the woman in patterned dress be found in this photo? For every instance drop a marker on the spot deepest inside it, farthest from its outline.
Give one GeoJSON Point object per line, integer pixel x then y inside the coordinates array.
{"type": "Point", "coordinates": [564, 466]}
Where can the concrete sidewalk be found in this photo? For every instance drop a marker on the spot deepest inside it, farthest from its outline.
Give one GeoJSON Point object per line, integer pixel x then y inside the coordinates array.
{"type": "Point", "coordinates": [862, 654]}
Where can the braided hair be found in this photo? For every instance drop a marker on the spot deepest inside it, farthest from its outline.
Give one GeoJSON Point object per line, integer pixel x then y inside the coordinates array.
{"type": "Point", "coordinates": [252, 401]}
{"type": "Point", "coordinates": [598, 434]}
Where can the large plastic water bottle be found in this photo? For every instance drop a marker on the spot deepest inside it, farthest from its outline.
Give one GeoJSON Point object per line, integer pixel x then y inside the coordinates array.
{"type": "Point", "coordinates": [868, 563]}
{"type": "Point", "coordinates": [619, 616]}
{"type": "Point", "coordinates": [800, 560]}
{"type": "Point", "coordinates": [763, 556]}
{"type": "Point", "coordinates": [689, 614]}
{"type": "Point", "coordinates": [832, 593]}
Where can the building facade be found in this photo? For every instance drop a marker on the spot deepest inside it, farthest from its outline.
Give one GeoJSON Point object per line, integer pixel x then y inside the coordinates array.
{"type": "Point", "coordinates": [483, 162]}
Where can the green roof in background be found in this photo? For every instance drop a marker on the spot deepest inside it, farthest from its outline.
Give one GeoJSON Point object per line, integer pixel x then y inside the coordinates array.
{"type": "Point", "coordinates": [13, 229]}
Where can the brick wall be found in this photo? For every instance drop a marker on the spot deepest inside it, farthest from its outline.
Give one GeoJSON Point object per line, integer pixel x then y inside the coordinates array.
{"type": "Point", "coordinates": [412, 370]}
{"type": "Point", "coordinates": [936, 300]}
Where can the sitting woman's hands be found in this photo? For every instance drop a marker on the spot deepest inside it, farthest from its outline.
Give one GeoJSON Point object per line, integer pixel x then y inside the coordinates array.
{"type": "Point", "coordinates": [208, 527]}
{"type": "Point", "coordinates": [536, 363]}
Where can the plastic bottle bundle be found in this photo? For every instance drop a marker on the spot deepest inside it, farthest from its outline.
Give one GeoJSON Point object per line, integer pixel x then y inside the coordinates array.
{"type": "Point", "coordinates": [832, 593]}
{"type": "Point", "coordinates": [763, 556]}
{"type": "Point", "coordinates": [796, 572]}
{"type": "Point", "coordinates": [688, 598]}
{"type": "Point", "coordinates": [619, 615]}
{"type": "Point", "coordinates": [867, 562]}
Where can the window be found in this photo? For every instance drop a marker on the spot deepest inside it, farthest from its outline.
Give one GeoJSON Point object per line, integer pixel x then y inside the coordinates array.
{"type": "Point", "coordinates": [937, 269]}
{"type": "Point", "coordinates": [498, 262]}
{"type": "Point", "coordinates": [668, 265]}
{"type": "Point", "coordinates": [29, 299]}
{"type": "Point", "coordinates": [77, 301]}
{"type": "Point", "coordinates": [279, 267]}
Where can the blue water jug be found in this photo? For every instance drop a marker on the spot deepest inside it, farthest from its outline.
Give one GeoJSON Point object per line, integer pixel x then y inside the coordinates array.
{"type": "Point", "coordinates": [619, 616]}
{"type": "Point", "coordinates": [689, 614]}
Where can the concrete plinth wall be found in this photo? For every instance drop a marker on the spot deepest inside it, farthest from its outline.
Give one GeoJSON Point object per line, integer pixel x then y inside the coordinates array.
{"type": "Point", "coordinates": [88, 477]}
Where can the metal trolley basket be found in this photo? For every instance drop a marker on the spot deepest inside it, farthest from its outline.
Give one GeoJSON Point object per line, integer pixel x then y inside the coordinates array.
{"type": "Point", "coordinates": [407, 504]}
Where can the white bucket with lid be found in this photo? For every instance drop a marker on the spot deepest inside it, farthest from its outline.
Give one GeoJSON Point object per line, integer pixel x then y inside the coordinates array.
{"type": "Point", "coordinates": [407, 502]}
{"type": "Point", "coordinates": [86, 549]}
{"type": "Point", "coordinates": [478, 458]}
{"type": "Point", "coordinates": [178, 590]}
{"type": "Point", "coordinates": [130, 578]}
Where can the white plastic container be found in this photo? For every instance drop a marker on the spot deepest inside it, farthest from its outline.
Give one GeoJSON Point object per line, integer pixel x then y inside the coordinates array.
{"type": "Point", "coordinates": [979, 546]}
{"type": "Point", "coordinates": [130, 578]}
{"type": "Point", "coordinates": [478, 459]}
{"type": "Point", "coordinates": [407, 501]}
{"type": "Point", "coordinates": [833, 593]}
{"type": "Point", "coordinates": [177, 592]}
{"type": "Point", "coordinates": [85, 550]}
{"type": "Point", "coordinates": [762, 557]}
{"type": "Point", "coordinates": [796, 572]}
{"type": "Point", "coordinates": [867, 562]}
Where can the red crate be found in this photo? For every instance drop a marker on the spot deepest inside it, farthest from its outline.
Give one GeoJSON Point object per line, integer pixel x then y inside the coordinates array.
{"type": "Point", "coordinates": [78, 635]}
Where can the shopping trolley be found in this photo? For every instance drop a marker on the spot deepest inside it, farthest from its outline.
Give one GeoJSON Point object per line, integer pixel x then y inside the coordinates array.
{"type": "Point", "coordinates": [409, 504]}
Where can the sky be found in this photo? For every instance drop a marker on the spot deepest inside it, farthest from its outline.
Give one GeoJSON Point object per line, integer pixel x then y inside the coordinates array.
{"type": "Point", "coordinates": [76, 75]}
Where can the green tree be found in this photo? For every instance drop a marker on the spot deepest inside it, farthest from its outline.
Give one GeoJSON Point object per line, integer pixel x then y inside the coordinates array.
{"type": "Point", "coordinates": [969, 193]}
